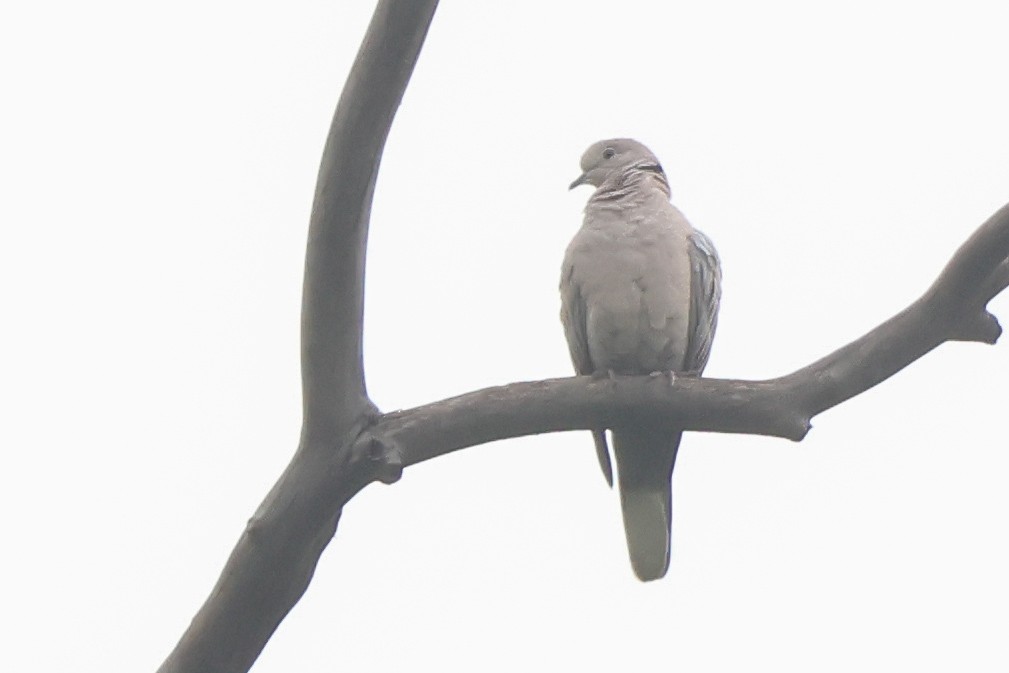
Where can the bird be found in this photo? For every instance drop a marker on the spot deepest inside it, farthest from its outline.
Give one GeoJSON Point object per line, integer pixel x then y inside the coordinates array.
{"type": "Point", "coordinates": [640, 291]}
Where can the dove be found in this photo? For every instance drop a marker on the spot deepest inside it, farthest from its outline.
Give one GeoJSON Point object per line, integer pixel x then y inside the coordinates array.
{"type": "Point", "coordinates": [640, 290]}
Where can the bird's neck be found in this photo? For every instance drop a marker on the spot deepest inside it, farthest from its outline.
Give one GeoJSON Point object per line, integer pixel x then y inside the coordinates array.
{"type": "Point", "coordinates": [635, 184]}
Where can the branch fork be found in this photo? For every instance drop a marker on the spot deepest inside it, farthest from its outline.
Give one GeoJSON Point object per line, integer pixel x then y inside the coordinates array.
{"type": "Point", "coordinates": [273, 561]}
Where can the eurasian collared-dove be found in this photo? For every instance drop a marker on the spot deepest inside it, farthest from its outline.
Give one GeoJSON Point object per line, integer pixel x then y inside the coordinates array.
{"type": "Point", "coordinates": [639, 294]}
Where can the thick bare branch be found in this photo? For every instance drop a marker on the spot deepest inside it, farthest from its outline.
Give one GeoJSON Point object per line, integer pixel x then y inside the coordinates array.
{"type": "Point", "coordinates": [332, 370]}
{"type": "Point", "coordinates": [965, 280]}
{"type": "Point", "coordinates": [517, 409]}
{"type": "Point", "coordinates": [274, 560]}
{"type": "Point", "coordinates": [345, 444]}
{"type": "Point", "coordinates": [952, 309]}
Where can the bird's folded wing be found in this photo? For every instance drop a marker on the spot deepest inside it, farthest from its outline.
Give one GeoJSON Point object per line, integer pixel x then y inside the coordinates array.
{"type": "Point", "coordinates": [705, 294]}
{"type": "Point", "coordinates": [573, 316]}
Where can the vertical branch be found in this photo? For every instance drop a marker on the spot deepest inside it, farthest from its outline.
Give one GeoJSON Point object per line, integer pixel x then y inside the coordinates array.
{"type": "Point", "coordinates": [332, 369]}
{"type": "Point", "coordinates": [272, 564]}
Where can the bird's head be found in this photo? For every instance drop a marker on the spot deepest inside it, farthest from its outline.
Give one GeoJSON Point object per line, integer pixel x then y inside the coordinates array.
{"type": "Point", "coordinates": [608, 158]}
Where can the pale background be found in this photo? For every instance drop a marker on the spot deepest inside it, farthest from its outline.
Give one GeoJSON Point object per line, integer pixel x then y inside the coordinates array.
{"type": "Point", "coordinates": [157, 166]}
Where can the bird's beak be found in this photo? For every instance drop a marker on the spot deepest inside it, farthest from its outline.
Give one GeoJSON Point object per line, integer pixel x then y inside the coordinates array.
{"type": "Point", "coordinates": [582, 179]}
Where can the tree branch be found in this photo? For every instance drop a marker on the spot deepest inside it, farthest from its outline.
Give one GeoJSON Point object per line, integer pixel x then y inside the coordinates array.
{"type": "Point", "coordinates": [273, 562]}
{"type": "Point", "coordinates": [953, 308]}
{"type": "Point", "coordinates": [345, 444]}
{"type": "Point", "coordinates": [332, 369]}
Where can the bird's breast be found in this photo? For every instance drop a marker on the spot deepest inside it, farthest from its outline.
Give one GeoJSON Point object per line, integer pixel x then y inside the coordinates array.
{"type": "Point", "coordinates": [634, 276]}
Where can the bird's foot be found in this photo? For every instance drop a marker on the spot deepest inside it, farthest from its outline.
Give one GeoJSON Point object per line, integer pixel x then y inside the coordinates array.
{"type": "Point", "coordinates": [670, 373]}
{"type": "Point", "coordinates": [603, 375]}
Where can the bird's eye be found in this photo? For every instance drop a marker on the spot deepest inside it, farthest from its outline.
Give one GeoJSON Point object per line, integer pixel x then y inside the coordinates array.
{"type": "Point", "coordinates": [608, 153]}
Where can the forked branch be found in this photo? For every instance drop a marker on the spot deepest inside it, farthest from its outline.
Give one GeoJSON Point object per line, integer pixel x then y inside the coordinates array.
{"type": "Point", "coordinates": [346, 444]}
{"type": "Point", "coordinates": [274, 559]}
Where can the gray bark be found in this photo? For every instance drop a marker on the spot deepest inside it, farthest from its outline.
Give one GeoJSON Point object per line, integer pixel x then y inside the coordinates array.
{"type": "Point", "coordinates": [273, 562]}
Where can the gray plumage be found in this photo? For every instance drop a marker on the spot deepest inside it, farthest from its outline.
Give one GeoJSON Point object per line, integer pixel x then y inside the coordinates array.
{"type": "Point", "coordinates": [639, 294]}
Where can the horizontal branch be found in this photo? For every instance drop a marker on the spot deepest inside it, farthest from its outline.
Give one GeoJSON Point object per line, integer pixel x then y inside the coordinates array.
{"type": "Point", "coordinates": [583, 403]}
{"type": "Point", "coordinates": [952, 309]}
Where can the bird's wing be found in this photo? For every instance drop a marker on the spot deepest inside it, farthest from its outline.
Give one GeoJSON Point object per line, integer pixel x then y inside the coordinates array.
{"type": "Point", "coordinates": [705, 294]}
{"type": "Point", "coordinates": [574, 317]}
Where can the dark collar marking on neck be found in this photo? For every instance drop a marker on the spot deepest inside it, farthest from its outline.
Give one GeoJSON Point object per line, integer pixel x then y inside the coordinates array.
{"type": "Point", "coordinates": [655, 168]}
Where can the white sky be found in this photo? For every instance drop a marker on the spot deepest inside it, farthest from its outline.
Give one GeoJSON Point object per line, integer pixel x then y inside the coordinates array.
{"type": "Point", "coordinates": [158, 164]}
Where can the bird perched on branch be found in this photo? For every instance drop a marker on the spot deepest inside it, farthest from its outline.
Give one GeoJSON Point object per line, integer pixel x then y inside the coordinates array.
{"type": "Point", "coordinates": [639, 295]}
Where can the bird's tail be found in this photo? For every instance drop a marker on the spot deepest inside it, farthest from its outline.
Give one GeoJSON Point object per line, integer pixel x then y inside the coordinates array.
{"type": "Point", "coordinates": [645, 458]}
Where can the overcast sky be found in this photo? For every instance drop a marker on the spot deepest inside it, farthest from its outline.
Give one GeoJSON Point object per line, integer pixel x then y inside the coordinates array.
{"type": "Point", "coordinates": [158, 164]}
